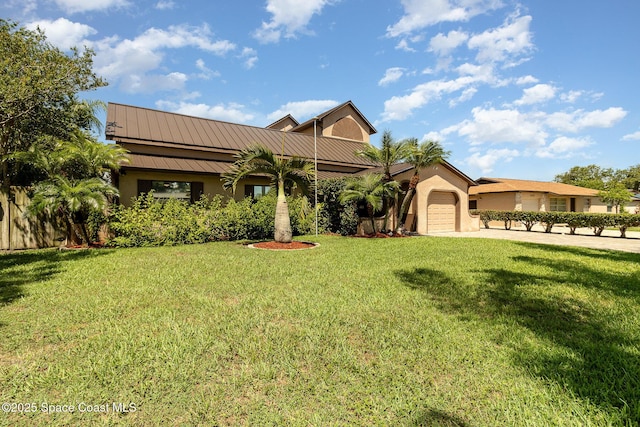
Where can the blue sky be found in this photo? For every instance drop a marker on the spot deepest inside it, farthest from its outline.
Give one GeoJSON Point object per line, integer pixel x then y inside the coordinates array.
{"type": "Point", "coordinates": [513, 89]}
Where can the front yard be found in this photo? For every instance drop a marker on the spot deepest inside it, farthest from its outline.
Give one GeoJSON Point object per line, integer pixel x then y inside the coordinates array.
{"type": "Point", "coordinates": [411, 331]}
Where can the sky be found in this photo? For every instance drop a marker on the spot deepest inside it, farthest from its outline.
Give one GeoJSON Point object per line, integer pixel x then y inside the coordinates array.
{"type": "Point", "coordinates": [513, 89]}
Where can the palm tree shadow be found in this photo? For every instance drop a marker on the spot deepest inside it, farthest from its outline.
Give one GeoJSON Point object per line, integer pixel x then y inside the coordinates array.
{"type": "Point", "coordinates": [437, 418]}
{"type": "Point", "coordinates": [18, 269]}
{"type": "Point", "coordinates": [591, 356]}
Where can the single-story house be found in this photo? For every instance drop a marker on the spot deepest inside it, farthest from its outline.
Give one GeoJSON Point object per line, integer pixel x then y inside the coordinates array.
{"type": "Point", "coordinates": [523, 195]}
{"type": "Point", "coordinates": [183, 156]}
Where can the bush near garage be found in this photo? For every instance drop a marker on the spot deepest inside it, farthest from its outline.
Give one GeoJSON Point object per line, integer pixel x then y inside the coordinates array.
{"type": "Point", "coordinates": [598, 222]}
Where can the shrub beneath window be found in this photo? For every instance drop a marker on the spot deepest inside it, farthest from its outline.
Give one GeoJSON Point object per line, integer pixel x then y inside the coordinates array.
{"type": "Point", "coordinates": [149, 222]}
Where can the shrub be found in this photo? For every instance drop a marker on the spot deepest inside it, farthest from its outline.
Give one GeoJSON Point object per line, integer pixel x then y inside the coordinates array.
{"type": "Point", "coordinates": [340, 217]}
{"type": "Point", "coordinates": [597, 221]}
{"type": "Point", "coordinates": [149, 222]}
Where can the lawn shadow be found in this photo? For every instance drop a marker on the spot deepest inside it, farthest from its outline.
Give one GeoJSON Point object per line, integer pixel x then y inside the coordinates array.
{"type": "Point", "coordinates": [22, 268]}
{"type": "Point", "coordinates": [437, 418]}
{"type": "Point", "coordinates": [584, 350]}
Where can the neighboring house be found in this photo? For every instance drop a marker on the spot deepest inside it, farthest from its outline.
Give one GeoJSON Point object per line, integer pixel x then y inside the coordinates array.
{"type": "Point", "coordinates": [183, 156]}
{"type": "Point", "coordinates": [633, 207]}
{"type": "Point", "coordinates": [522, 195]}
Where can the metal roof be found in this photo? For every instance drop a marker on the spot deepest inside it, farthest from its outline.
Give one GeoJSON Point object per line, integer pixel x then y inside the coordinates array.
{"type": "Point", "coordinates": [127, 123]}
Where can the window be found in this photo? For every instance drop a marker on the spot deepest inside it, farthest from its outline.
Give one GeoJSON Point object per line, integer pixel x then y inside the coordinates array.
{"type": "Point", "coordinates": [256, 191]}
{"type": "Point", "coordinates": [557, 204]}
{"type": "Point", "coordinates": [163, 190]}
{"type": "Point", "coordinates": [473, 204]}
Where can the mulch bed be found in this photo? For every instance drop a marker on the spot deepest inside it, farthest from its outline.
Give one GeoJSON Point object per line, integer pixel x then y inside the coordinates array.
{"type": "Point", "coordinates": [283, 246]}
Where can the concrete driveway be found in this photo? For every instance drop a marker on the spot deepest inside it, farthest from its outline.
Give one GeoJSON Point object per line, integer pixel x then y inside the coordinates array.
{"type": "Point", "coordinates": [609, 240]}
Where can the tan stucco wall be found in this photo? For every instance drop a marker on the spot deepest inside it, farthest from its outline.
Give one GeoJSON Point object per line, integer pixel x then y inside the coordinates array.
{"type": "Point", "coordinates": [329, 122]}
{"type": "Point", "coordinates": [440, 178]}
{"type": "Point", "coordinates": [515, 201]}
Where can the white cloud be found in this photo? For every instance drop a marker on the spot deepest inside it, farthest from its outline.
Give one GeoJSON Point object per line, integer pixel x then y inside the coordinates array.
{"type": "Point", "coordinates": [563, 147]}
{"type": "Point", "coordinates": [74, 6]}
{"type": "Point", "coordinates": [404, 45]}
{"type": "Point", "coordinates": [401, 107]}
{"type": "Point", "coordinates": [443, 44]}
{"type": "Point", "coordinates": [632, 136]}
{"type": "Point", "coordinates": [303, 109]}
{"type": "Point", "coordinates": [419, 14]}
{"type": "Point", "coordinates": [578, 120]}
{"type": "Point", "coordinates": [63, 33]}
{"type": "Point", "coordinates": [571, 96]}
{"type": "Point", "coordinates": [512, 39]}
{"type": "Point", "coordinates": [129, 60]}
{"type": "Point", "coordinates": [501, 126]}
{"type": "Point", "coordinates": [205, 72]}
{"type": "Point", "coordinates": [289, 17]}
{"type": "Point", "coordinates": [487, 161]}
{"type": "Point", "coordinates": [165, 5]}
{"type": "Point", "coordinates": [231, 112]}
{"type": "Point", "coordinates": [525, 80]}
{"type": "Point", "coordinates": [537, 94]}
{"type": "Point", "coordinates": [154, 83]}
{"type": "Point", "coordinates": [391, 75]}
{"type": "Point", "coordinates": [466, 95]}
{"type": "Point", "coordinates": [250, 57]}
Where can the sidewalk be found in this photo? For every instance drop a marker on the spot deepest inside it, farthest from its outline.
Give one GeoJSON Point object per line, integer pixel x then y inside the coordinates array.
{"type": "Point", "coordinates": [584, 237]}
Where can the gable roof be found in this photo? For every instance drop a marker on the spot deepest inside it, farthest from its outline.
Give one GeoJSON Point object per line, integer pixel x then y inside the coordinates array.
{"type": "Point", "coordinates": [321, 116]}
{"type": "Point", "coordinates": [287, 118]}
{"type": "Point", "coordinates": [136, 125]}
{"type": "Point", "coordinates": [504, 185]}
{"type": "Point", "coordinates": [399, 168]}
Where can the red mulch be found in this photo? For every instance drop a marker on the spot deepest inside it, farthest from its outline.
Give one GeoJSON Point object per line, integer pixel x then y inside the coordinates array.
{"type": "Point", "coordinates": [277, 245]}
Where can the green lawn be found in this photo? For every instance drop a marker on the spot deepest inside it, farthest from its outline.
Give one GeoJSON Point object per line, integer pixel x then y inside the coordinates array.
{"type": "Point", "coordinates": [430, 331]}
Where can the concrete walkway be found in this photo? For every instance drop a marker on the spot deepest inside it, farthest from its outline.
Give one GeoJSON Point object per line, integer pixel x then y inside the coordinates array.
{"type": "Point", "coordinates": [609, 240]}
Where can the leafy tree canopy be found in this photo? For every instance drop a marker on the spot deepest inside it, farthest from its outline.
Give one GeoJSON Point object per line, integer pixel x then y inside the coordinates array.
{"type": "Point", "coordinates": [38, 92]}
{"type": "Point", "coordinates": [593, 176]}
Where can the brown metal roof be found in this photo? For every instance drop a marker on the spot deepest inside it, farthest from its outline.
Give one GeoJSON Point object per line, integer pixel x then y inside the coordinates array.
{"type": "Point", "coordinates": [502, 185]}
{"type": "Point", "coordinates": [170, 164]}
{"type": "Point", "coordinates": [161, 163]}
{"type": "Point", "coordinates": [136, 124]}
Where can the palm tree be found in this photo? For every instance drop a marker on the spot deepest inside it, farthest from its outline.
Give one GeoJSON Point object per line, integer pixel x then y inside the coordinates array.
{"type": "Point", "coordinates": [91, 157]}
{"type": "Point", "coordinates": [294, 171]}
{"type": "Point", "coordinates": [372, 189]}
{"type": "Point", "coordinates": [390, 153]}
{"type": "Point", "coordinates": [420, 156]}
{"type": "Point", "coordinates": [70, 201]}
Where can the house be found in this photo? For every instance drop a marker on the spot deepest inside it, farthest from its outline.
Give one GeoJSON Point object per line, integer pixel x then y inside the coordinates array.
{"type": "Point", "coordinates": [183, 156]}
{"type": "Point", "coordinates": [522, 195]}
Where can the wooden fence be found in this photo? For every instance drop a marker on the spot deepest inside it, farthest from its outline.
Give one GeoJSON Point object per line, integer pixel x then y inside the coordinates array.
{"type": "Point", "coordinates": [19, 231]}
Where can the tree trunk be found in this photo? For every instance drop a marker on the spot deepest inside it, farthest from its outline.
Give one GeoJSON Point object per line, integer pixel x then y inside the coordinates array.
{"type": "Point", "coordinates": [371, 217]}
{"type": "Point", "coordinates": [283, 233]}
{"type": "Point", "coordinates": [406, 202]}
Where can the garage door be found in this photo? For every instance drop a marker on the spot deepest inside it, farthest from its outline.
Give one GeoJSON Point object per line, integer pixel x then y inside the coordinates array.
{"type": "Point", "coordinates": [441, 212]}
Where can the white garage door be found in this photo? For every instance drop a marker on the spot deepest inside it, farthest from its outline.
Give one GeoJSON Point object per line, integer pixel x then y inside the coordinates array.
{"type": "Point", "coordinates": [441, 212]}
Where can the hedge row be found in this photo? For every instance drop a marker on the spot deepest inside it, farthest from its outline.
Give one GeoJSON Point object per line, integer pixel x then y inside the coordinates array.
{"type": "Point", "coordinates": [149, 222]}
{"type": "Point", "coordinates": [596, 221]}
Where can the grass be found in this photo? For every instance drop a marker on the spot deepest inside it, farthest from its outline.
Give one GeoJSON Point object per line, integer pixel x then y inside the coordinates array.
{"type": "Point", "coordinates": [421, 331]}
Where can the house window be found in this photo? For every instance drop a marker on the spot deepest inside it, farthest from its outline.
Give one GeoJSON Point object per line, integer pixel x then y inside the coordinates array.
{"type": "Point", "coordinates": [557, 204]}
{"type": "Point", "coordinates": [609, 208]}
{"type": "Point", "coordinates": [163, 190]}
{"type": "Point", "coordinates": [473, 204]}
{"type": "Point", "coordinates": [256, 191]}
